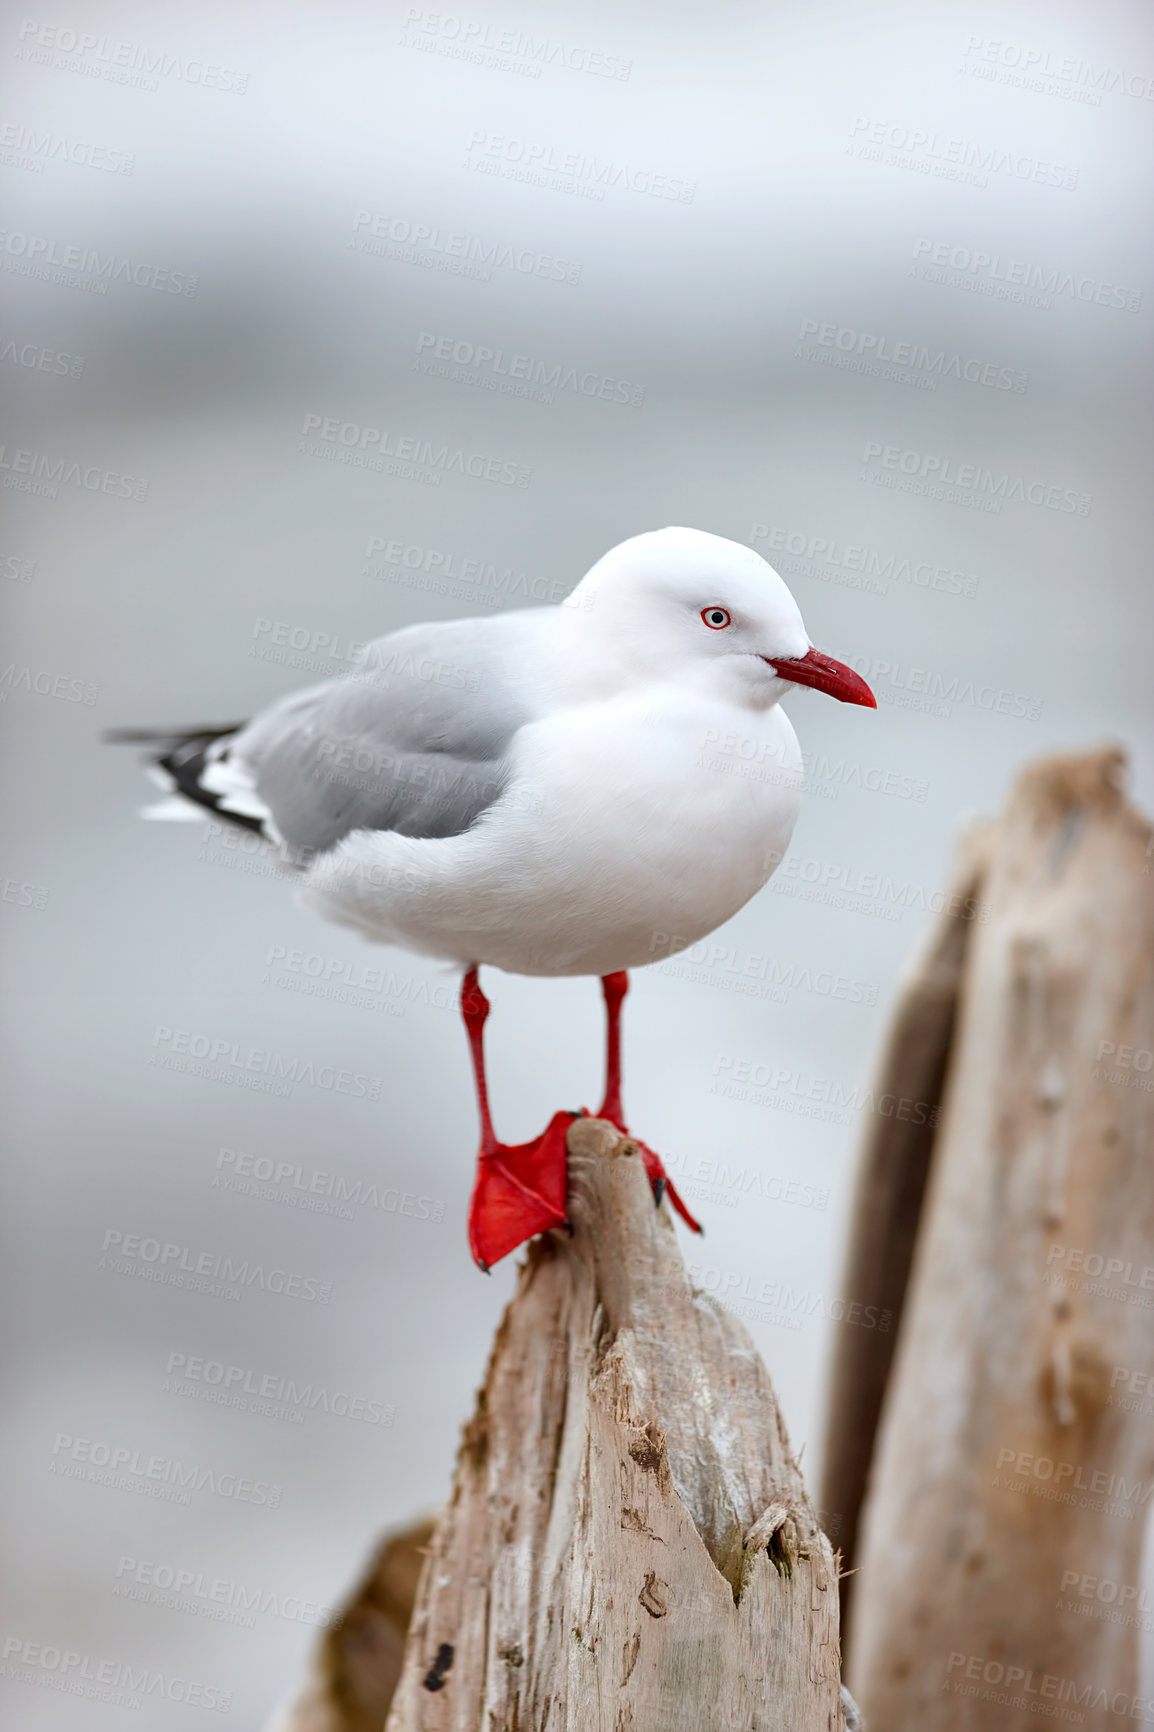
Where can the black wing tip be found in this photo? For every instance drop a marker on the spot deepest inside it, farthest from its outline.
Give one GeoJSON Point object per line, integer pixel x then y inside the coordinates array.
{"type": "Point", "coordinates": [182, 753]}
{"type": "Point", "coordinates": [166, 736]}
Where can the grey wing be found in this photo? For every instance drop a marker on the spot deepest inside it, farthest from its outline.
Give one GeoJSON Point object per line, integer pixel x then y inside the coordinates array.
{"type": "Point", "coordinates": [414, 740]}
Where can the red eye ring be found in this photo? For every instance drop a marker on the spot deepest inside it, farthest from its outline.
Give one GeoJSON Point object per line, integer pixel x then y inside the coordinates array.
{"type": "Point", "coordinates": [716, 618]}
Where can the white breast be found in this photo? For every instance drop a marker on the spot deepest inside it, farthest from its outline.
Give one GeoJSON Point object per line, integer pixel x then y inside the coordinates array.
{"type": "Point", "coordinates": [631, 828]}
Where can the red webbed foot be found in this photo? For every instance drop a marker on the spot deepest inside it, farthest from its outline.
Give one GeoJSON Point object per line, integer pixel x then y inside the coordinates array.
{"type": "Point", "coordinates": [519, 1191]}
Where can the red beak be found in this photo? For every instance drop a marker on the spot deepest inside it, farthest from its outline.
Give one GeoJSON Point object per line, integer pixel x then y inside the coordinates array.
{"type": "Point", "coordinates": [824, 675]}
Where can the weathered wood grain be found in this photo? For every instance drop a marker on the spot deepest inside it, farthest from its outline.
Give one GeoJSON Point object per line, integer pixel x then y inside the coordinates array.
{"type": "Point", "coordinates": [1014, 1462]}
{"type": "Point", "coordinates": [629, 1546]}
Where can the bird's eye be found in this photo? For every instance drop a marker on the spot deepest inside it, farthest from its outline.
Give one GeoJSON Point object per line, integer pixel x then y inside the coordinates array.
{"type": "Point", "coordinates": [715, 618]}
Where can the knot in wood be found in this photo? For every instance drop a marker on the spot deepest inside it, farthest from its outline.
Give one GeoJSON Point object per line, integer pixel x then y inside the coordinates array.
{"type": "Point", "coordinates": [654, 1595]}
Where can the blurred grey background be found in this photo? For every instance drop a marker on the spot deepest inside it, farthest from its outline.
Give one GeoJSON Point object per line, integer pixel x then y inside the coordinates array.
{"type": "Point", "coordinates": [874, 285]}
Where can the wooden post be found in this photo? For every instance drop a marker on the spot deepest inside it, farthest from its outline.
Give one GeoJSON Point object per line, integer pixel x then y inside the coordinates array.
{"type": "Point", "coordinates": [1014, 1468]}
{"type": "Point", "coordinates": [629, 1546]}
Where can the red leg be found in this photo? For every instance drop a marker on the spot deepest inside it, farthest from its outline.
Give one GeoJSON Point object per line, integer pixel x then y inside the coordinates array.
{"type": "Point", "coordinates": [475, 1013]}
{"type": "Point", "coordinates": [614, 987]}
{"type": "Point", "coordinates": [520, 1187]}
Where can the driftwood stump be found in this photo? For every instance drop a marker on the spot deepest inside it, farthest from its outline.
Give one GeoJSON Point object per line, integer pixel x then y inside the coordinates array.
{"type": "Point", "coordinates": [1014, 1467]}
{"type": "Point", "coordinates": [629, 1546]}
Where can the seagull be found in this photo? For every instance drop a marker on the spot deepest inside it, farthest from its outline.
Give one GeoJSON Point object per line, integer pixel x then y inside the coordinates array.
{"type": "Point", "coordinates": [578, 789]}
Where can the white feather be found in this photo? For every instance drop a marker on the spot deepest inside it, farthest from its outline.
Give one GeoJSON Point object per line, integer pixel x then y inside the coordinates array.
{"type": "Point", "coordinates": [176, 809]}
{"type": "Point", "coordinates": [233, 786]}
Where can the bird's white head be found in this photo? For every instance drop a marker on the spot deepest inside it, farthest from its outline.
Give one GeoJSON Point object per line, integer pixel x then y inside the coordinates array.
{"type": "Point", "coordinates": [681, 604]}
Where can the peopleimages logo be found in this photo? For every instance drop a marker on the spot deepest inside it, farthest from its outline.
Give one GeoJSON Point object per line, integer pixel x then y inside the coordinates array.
{"type": "Point", "coordinates": [857, 566]}
{"type": "Point", "coordinates": [221, 1057]}
{"type": "Point", "coordinates": [729, 1285]}
{"type": "Point", "coordinates": [360, 977]}
{"type": "Point", "coordinates": [1005, 278]}
{"type": "Point", "coordinates": [859, 892]}
{"type": "Point", "coordinates": [182, 1266]}
{"type": "Point", "coordinates": [789, 1090]}
{"type": "Point", "coordinates": [380, 449]}
{"type": "Point", "coordinates": [510, 50]}
{"type": "Point", "coordinates": [727, 965]}
{"type": "Point", "coordinates": [956, 158]}
{"type": "Point", "coordinates": [102, 57]}
{"type": "Point", "coordinates": [45, 685]}
{"type": "Point", "coordinates": [490, 583]}
{"type": "Point", "coordinates": [1080, 75]}
{"type": "Point", "coordinates": [871, 346]}
{"type": "Point", "coordinates": [1100, 1267]}
{"type": "Point", "coordinates": [23, 895]}
{"type": "Point", "coordinates": [160, 1476]}
{"type": "Point", "coordinates": [972, 478]}
{"type": "Point", "coordinates": [326, 645]}
{"type": "Point", "coordinates": [36, 472]}
{"type": "Point", "coordinates": [180, 1589]}
{"type": "Point", "coordinates": [1098, 1488]}
{"type": "Point", "coordinates": [23, 147]}
{"type": "Point", "coordinates": [536, 161]}
{"type": "Point", "coordinates": [493, 369]}
{"type": "Point", "coordinates": [234, 1384]}
{"type": "Point", "coordinates": [121, 1683]}
{"type": "Point", "coordinates": [314, 1189]}
{"type": "Point", "coordinates": [735, 753]}
{"type": "Point", "coordinates": [37, 357]}
{"type": "Point", "coordinates": [453, 251]}
{"type": "Point", "coordinates": [713, 1181]}
{"type": "Point", "coordinates": [1105, 1591]}
{"type": "Point", "coordinates": [923, 688]}
{"type": "Point", "coordinates": [38, 256]}
{"type": "Point", "coordinates": [1022, 1687]}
